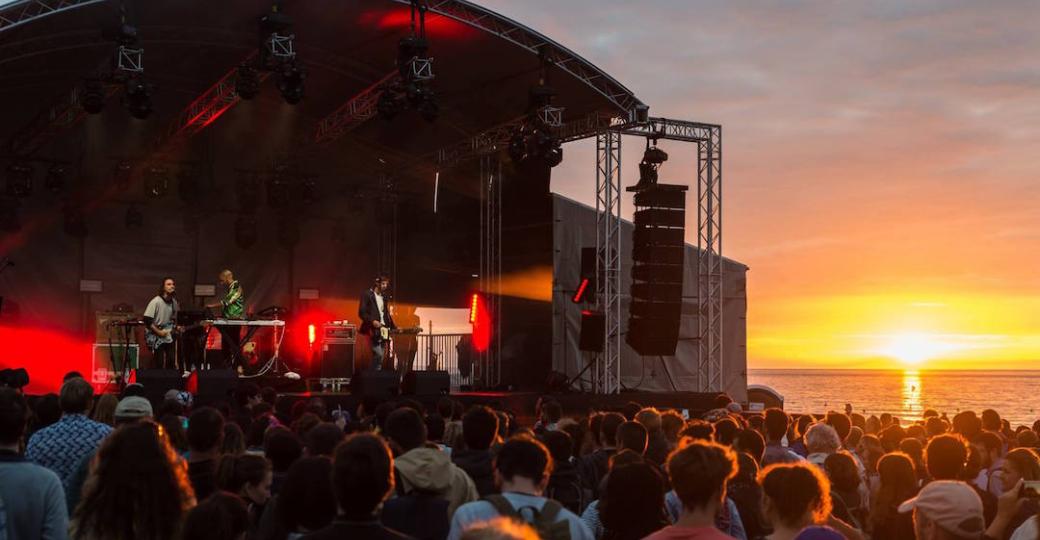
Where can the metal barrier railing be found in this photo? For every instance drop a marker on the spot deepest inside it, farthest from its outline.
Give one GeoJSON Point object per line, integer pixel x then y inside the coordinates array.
{"type": "Point", "coordinates": [441, 352]}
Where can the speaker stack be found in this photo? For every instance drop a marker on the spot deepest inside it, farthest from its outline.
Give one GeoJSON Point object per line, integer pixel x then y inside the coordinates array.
{"type": "Point", "coordinates": [658, 245]}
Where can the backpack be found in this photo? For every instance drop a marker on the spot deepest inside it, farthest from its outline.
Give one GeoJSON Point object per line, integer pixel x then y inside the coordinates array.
{"type": "Point", "coordinates": [545, 520]}
{"type": "Point", "coordinates": [568, 491]}
{"type": "Point", "coordinates": [419, 514]}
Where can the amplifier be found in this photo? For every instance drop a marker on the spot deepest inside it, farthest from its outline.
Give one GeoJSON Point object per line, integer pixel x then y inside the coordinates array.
{"type": "Point", "coordinates": [338, 332]}
{"type": "Point", "coordinates": [337, 360]}
{"type": "Point", "coordinates": [107, 361]}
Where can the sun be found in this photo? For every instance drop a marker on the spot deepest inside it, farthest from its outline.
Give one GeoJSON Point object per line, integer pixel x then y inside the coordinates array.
{"type": "Point", "coordinates": [913, 349]}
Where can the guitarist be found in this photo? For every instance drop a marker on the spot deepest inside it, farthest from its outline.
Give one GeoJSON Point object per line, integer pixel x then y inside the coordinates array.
{"type": "Point", "coordinates": [376, 321]}
{"type": "Point", "coordinates": [160, 317]}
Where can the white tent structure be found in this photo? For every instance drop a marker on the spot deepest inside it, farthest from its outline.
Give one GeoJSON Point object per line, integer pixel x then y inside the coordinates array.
{"type": "Point", "coordinates": [574, 228]}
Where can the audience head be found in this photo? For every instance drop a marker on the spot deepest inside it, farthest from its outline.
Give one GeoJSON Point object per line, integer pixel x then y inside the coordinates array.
{"type": "Point", "coordinates": [1019, 464]}
{"type": "Point", "coordinates": [631, 409]}
{"type": "Point", "coordinates": [726, 430]}
{"type": "Point", "coordinates": [323, 438]}
{"type": "Point", "coordinates": [222, 515]}
{"type": "Point", "coordinates": [282, 447]}
{"type": "Point", "coordinates": [855, 436]}
{"type": "Point", "coordinates": [751, 442]}
{"type": "Point", "coordinates": [1027, 438]}
{"type": "Point", "coordinates": [435, 426]}
{"type": "Point", "coordinates": [671, 424]}
{"type": "Point", "coordinates": [234, 442]}
{"type": "Point", "coordinates": [205, 430]}
{"type": "Point", "coordinates": [898, 478]}
{"type": "Point", "coordinates": [247, 475]}
{"type": "Point", "coordinates": [247, 394]}
{"type": "Point", "coordinates": [632, 504]}
{"type": "Point", "coordinates": [946, 509]}
{"type": "Point", "coordinates": [699, 472]}
{"type": "Point", "coordinates": [105, 409]}
{"type": "Point", "coordinates": [632, 436]}
{"type": "Point", "coordinates": [523, 458]}
{"type": "Point", "coordinates": [500, 528]}
{"type": "Point", "coordinates": [967, 424]}
{"type": "Point", "coordinates": [76, 396]}
{"type": "Point", "coordinates": [552, 412]}
{"type": "Point", "coordinates": [47, 411]}
{"type": "Point", "coordinates": [14, 415]}
{"type": "Point", "coordinates": [891, 436]}
{"type": "Point", "coordinates": [650, 418]}
{"type": "Point", "coordinates": [821, 438]}
{"type": "Point", "coordinates": [479, 428]}
{"type": "Point", "coordinates": [137, 487]}
{"type": "Point", "coordinates": [991, 420]}
{"type": "Point", "coordinates": [175, 433]}
{"type": "Point", "coordinates": [560, 445]}
{"type": "Point", "coordinates": [747, 468]}
{"type": "Point", "coordinates": [945, 457]}
{"type": "Point", "coordinates": [306, 500]}
{"type": "Point", "coordinates": [989, 444]}
{"type": "Point", "coordinates": [362, 475]}
{"type": "Point", "coordinates": [699, 430]}
{"type": "Point", "coordinates": [842, 471]}
{"type": "Point", "coordinates": [841, 424]}
{"type": "Point", "coordinates": [796, 495]}
{"type": "Point", "coordinates": [776, 424]}
{"type": "Point", "coordinates": [131, 409]}
{"type": "Point", "coordinates": [608, 429]}
{"type": "Point", "coordinates": [405, 427]}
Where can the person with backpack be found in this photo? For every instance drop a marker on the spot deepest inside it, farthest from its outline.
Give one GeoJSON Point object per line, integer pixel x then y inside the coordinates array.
{"type": "Point", "coordinates": [565, 482]}
{"type": "Point", "coordinates": [523, 467]}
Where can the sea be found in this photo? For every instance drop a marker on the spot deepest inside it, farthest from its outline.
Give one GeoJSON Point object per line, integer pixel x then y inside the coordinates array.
{"type": "Point", "coordinates": [906, 394]}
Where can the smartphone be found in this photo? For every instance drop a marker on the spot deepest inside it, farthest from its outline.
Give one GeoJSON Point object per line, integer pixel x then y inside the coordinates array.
{"type": "Point", "coordinates": [685, 414]}
{"type": "Point", "coordinates": [1031, 489]}
{"type": "Point", "coordinates": [184, 422]}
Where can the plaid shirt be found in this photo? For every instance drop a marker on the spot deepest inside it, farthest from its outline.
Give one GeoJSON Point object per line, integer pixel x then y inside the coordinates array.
{"type": "Point", "coordinates": [63, 445]}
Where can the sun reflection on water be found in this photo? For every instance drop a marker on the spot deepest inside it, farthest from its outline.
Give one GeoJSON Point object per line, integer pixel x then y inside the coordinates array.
{"type": "Point", "coordinates": [912, 392]}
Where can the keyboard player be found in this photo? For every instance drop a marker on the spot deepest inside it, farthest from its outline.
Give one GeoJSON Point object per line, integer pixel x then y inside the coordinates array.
{"type": "Point", "coordinates": [232, 306]}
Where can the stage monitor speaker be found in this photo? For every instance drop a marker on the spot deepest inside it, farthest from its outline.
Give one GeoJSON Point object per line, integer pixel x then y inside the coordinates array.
{"type": "Point", "coordinates": [426, 383]}
{"type": "Point", "coordinates": [593, 330]}
{"type": "Point", "coordinates": [337, 360]}
{"type": "Point", "coordinates": [213, 385]}
{"type": "Point", "coordinates": [157, 382]}
{"type": "Point", "coordinates": [383, 384]}
{"type": "Point", "coordinates": [658, 253]}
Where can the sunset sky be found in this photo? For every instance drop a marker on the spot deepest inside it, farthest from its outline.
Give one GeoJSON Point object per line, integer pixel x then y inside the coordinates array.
{"type": "Point", "coordinates": [881, 164]}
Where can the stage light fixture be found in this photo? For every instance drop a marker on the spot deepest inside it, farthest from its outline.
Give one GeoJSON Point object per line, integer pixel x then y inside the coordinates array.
{"type": "Point", "coordinates": [653, 157]}
{"type": "Point", "coordinates": [134, 218]}
{"type": "Point", "coordinates": [19, 179]}
{"type": "Point", "coordinates": [92, 96]}
{"type": "Point", "coordinates": [138, 98]}
{"type": "Point", "coordinates": [428, 107]}
{"type": "Point", "coordinates": [55, 179]}
{"type": "Point", "coordinates": [290, 83]}
{"type": "Point", "coordinates": [389, 105]}
{"type": "Point", "coordinates": [245, 231]}
{"type": "Point", "coordinates": [247, 82]}
{"type": "Point", "coordinates": [278, 196]}
{"type": "Point", "coordinates": [517, 146]}
{"type": "Point", "coordinates": [156, 182]}
{"type": "Point", "coordinates": [309, 192]}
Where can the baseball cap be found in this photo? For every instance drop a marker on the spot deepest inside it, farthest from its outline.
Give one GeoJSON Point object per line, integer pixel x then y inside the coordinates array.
{"type": "Point", "coordinates": [133, 407]}
{"type": "Point", "coordinates": [180, 396]}
{"type": "Point", "coordinates": [952, 505]}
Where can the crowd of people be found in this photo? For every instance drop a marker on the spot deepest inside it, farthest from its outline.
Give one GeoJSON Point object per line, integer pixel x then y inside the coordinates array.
{"type": "Point", "coordinates": [265, 467]}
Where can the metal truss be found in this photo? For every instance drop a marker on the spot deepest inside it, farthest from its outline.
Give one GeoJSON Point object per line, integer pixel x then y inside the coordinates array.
{"type": "Point", "coordinates": [354, 112]}
{"type": "Point", "coordinates": [518, 34]}
{"type": "Point", "coordinates": [130, 59]}
{"type": "Point", "coordinates": [488, 366]}
{"type": "Point", "coordinates": [64, 113]}
{"type": "Point", "coordinates": [606, 377]}
{"type": "Point", "coordinates": [205, 109]}
{"type": "Point", "coordinates": [26, 11]}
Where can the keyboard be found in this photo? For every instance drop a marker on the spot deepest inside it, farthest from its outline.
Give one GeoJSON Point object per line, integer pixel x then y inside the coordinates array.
{"type": "Point", "coordinates": [238, 322]}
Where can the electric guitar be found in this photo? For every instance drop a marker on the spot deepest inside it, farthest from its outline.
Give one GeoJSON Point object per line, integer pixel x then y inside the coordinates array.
{"type": "Point", "coordinates": [154, 340]}
{"type": "Point", "coordinates": [385, 333]}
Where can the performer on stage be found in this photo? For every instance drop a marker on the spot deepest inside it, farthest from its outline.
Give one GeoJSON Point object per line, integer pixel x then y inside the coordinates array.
{"type": "Point", "coordinates": [375, 317]}
{"type": "Point", "coordinates": [160, 318]}
{"type": "Point", "coordinates": [232, 306]}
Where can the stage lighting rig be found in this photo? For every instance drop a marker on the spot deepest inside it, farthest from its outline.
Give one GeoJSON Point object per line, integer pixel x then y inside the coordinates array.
{"type": "Point", "coordinates": [415, 69]}
{"type": "Point", "coordinates": [290, 83]}
{"type": "Point", "coordinates": [55, 179]}
{"type": "Point", "coordinates": [129, 55]}
{"type": "Point", "coordinates": [247, 82]}
{"type": "Point", "coordinates": [156, 182]}
{"type": "Point", "coordinates": [91, 95]}
{"type": "Point", "coordinates": [19, 179]}
{"type": "Point", "coordinates": [278, 41]}
{"type": "Point", "coordinates": [653, 158]}
{"type": "Point", "coordinates": [137, 98]}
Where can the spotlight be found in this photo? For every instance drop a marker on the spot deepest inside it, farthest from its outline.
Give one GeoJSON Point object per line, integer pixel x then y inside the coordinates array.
{"type": "Point", "coordinates": [653, 157]}
{"type": "Point", "coordinates": [19, 180]}
{"type": "Point", "coordinates": [389, 105]}
{"type": "Point", "coordinates": [134, 218]}
{"type": "Point", "coordinates": [245, 231]}
{"type": "Point", "coordinates": [247, 82]}
{"type": "Point", "coordinates": [290, 83]}
{"type": "Point", "coordinates": [138, 98]}
{"type": "Point", "coordinates": [518, 146]}
{"type": "Point", "coordinates": [74, 222]}
{"type": "Point", "coordinates": [554, 156]}
{"type": "Point", "coordinates": [156, 182]}
{"type": "Point", "coordinates": [122, 175]}
{"type": "Point", "coordinates": [92, 96]}
{"type": "Point", "coordinates": [55, 179]}
{"type": "Point", "coordinates": [428, 107]}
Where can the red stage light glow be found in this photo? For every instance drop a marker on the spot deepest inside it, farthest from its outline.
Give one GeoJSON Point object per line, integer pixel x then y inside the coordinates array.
{"type": "Point", "coordinates": [46, 354]}
{"type": "Point", "coordinates": [481, 321]}
{"type": "Point", "coordinates": [473, 305]}
{"type": "Point", "coordinates": [310, 334]}
{"type": "Point", "coordinates": [580, 294]}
